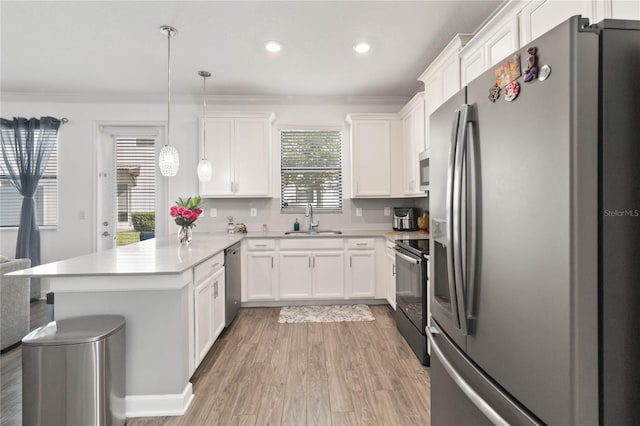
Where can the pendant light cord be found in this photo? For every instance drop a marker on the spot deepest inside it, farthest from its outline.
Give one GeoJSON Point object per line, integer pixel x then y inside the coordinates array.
{"type": "Point", "coordinates": [204, 111]}
{"type": "Point", "coordinates": [169, 32]}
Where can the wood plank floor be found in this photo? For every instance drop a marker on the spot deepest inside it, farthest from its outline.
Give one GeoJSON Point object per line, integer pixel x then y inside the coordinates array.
{"type": "Point", "coordinates": [260, 372]}
{"type": "Point", "coordinates": [11, 372]}
{"type": "Point", "coordinates": [264, 373]}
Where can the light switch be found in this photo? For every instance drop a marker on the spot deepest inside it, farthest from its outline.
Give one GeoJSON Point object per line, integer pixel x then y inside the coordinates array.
{"type": "Point", "coordinates": [358, 211]}
{"type": "Point", "coordinates": [387, 211]}
{"type": "Point", "coordinates": [214, 212]}
{"type": "Point", "coordinates": [254, 212]}
{"type": "Point", "coordinates": [82, 215]}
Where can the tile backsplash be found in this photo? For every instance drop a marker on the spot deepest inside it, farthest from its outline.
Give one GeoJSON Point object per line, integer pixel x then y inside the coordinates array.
{"type": "Point", "coordinates": [268, 212]}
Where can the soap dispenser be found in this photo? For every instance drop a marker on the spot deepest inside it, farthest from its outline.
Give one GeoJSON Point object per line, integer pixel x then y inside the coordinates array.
{"type": "Point", "coordinates": [296, 225]}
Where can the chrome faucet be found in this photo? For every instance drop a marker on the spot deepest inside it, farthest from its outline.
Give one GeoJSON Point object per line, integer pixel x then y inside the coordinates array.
{"type": "Point", "coordinates": [309, 214]}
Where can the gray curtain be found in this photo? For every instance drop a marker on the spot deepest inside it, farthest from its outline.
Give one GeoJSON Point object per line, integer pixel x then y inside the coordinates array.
{"type": "Point", "coordinates": [26, 146]}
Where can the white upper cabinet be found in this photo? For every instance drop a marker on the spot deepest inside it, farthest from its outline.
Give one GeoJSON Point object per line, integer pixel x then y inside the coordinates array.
{"type": "Point", "coordinates": [239, 148]}
{"type": "Point", "coordinates": [619, 9]}
{"type": "Point", "coordinates": [373, 138]}
{"type": "Point", "coordinates": [492, 44]}
{"type": "Point", "coordinates": [538, 17]}
{"type": "Point", "coordinates": [413, 143]}
{"type": "Point", "coordinates": [442, 80]}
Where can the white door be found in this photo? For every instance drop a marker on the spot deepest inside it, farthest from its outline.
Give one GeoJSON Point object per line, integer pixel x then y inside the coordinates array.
{"type": "Point", "coordinates": [371, 150]}
{"type": "Point", "coordinates": [110, 183]}
{"type": "Point", "coordinates": [260, 275]}
{"type": "Point", "coordinates": [217, 303]}
{"type": "Point", "coordinates": [202, 296]}
{"type": "Point", "coordinates": [252, 157]}
{"type": "Point", "coordinates": [362, 274]}
{"type": "Point", "coordinates": [328, 274]}
{"type": "Point", "coordinates": [218, 148]}
{"type": "Point", "coordinates": [295, 275]}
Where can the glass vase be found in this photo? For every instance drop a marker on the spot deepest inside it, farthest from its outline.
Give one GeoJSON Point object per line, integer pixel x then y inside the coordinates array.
{"type": "Point", "coordinates": [184, 235]}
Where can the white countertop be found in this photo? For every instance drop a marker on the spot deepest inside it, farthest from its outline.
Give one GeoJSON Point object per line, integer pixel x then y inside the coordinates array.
{"type": "Point", "coordinates": [164, 255]}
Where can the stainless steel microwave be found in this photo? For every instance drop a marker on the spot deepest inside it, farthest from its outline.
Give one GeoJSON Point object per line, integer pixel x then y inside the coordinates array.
{"type": "Point", "coordinates": [424, 170]}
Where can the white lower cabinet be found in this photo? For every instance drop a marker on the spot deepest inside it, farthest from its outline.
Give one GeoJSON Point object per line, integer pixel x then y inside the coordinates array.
{"type": "Point", "coordinates": [209, 304]}
{"type": "Point", "coordinates": [311, 275]}
{"type": "Point", "coordinates": [295, 275]}
{"type": "Point", "coordinates": [360, 268]}
{"type": "Point", "coordinates": [261, 275]}
{"type": "Point", "coordinates": [218, 305]}
{"type": "Point", "coordinates": [390, 276]}
{"type": "Point", "coordinates": [328, 275]}
{"type": "Point", "coordinates": [203, 320]}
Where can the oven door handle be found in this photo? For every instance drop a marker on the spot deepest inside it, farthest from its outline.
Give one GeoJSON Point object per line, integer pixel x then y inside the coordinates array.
{"type": "Point", "coordinates": [408, 259]}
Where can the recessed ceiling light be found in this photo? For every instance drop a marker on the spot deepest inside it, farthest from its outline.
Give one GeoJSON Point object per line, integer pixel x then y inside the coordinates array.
{"type": "Point", "coordinates": [361, 47]}
{"type": "Point", "coordinates": [273, 46]}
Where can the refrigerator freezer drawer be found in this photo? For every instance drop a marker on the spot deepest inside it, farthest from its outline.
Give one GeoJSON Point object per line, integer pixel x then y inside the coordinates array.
{"type": "Point", "coordinates": [463, 394]}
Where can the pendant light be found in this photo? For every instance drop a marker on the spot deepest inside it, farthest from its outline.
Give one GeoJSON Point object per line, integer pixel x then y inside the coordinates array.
{"type": "Point", "coordinates": [168, 160]}
{"type": "Point", "coordinates": [205, 170]}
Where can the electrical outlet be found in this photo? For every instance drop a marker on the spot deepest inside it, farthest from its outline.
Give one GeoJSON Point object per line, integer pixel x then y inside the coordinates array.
{"type": "Point", "coordinates": [214, 212]}
{"type": "Point", "coordinates": [387, 211]}
{"type": "Point", "coordinates": [254, 212]}
{"type": "Point", "coordinates": [358, 211]}
{"type": "Point", "coordinates": [82, 215]}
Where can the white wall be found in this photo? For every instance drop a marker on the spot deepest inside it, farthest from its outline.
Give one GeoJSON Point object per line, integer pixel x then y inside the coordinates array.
{"type": "Point", "coordinates": [78, 173]}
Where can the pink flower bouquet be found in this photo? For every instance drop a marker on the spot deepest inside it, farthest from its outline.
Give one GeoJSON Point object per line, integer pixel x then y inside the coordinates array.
{"type": "Point", "coordinates": [186, 212]}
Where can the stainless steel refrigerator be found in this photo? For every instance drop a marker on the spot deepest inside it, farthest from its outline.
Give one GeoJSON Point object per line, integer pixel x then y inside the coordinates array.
{"type": "Point", "coordinates": [535, 249]}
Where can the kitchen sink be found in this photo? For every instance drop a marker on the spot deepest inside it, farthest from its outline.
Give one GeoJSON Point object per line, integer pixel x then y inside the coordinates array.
{"type": "Point", "coordinates": [307, 233]}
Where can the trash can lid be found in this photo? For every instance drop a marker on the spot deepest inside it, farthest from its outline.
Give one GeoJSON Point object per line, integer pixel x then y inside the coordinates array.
{"type": "Point", "coordinates": [72, 331]}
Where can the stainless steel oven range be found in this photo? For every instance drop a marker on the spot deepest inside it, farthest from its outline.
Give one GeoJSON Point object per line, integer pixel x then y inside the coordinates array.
{"type": "Point", "coordinates": [412, 294]}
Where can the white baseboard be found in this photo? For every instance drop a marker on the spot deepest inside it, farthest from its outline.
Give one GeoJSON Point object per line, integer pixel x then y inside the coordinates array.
{"type": "Point", "coordinates": [159, 405]}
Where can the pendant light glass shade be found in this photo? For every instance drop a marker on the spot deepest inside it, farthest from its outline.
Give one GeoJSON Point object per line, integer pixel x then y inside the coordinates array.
{"type": "Point", "coordinates": [205, 170]}
{"type": "Point", "coordinates": [168, 160]}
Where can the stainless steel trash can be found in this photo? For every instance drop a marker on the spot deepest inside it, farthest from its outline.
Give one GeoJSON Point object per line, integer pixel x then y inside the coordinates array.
{"type": "Point", "coordinates": [74, 373]}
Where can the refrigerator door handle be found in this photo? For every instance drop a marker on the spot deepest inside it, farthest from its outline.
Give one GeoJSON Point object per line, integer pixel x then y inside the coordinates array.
{"type": "Point", "coordinates": [472, 226]}
{"type": "Point", "coordinates": [465, 387]}
{"type": "Point", "coordinates": [449, 245]}
{"type": "Point", "coordinates": [459, 217]}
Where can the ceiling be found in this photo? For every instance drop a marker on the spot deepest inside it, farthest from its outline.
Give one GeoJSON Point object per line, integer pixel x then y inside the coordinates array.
{"type": "Point", "coordinates": [115, 48]}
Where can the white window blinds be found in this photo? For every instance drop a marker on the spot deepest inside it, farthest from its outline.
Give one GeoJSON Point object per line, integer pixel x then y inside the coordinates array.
{"type": "Point", "coordinates": [46, 196]}
{"type": "Point", "coordinates": [311, 170]}
{"type": "Point", "coordinates": [135, 184]}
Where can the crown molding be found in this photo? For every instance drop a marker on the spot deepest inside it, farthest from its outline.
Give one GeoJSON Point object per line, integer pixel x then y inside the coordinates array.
{"type": "Point", "coordinates": [143, 98]}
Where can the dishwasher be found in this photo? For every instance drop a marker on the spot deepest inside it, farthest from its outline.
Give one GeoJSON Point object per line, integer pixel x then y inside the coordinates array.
{"type": "Point", "coordinates": [232, 282]}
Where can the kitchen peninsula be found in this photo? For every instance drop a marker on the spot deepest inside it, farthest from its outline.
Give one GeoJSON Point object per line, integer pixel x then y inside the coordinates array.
{"type": "Point", "coordinates": [151, 284]}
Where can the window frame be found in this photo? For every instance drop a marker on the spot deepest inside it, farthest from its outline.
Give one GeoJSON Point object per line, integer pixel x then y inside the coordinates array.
{"type": "Point", "coordinates": [317, 209]}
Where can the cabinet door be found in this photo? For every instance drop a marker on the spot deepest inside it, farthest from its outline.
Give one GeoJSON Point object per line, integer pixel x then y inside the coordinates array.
{"type": "Point", "coordinates": [252, 157]}
{"type": "Point", "coordinates": [503, 43]}
{"type": "Point", "coordinates": [414, 143]}
{"type": "Point", "coordinates": [390, 279]}
{"type": "Point", "coordinates": [217, 303]}
{"type": "Point", "coordinates": [450, 77]}
{"type": "Point", "coordinates": [217, 148]}
{"type": "Point", "coordinates": [472, 64]}
{"type": "Point", "coordinates": [203, 319]}
{"type": "Point", "coordinates": [260, 276]}
{"type": "Point", "coordinates": [328, 274]}
{"type": "Point", "coordinates": [371, 158]}
{"type": "Point", "coordinates": [295, 275]}
{"type": "Point", "coordinates": [361, 273]}
{"type": "Point", "coordinates": [433, 99]}
{"type": "Point", "coordinates": [538, 17]}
